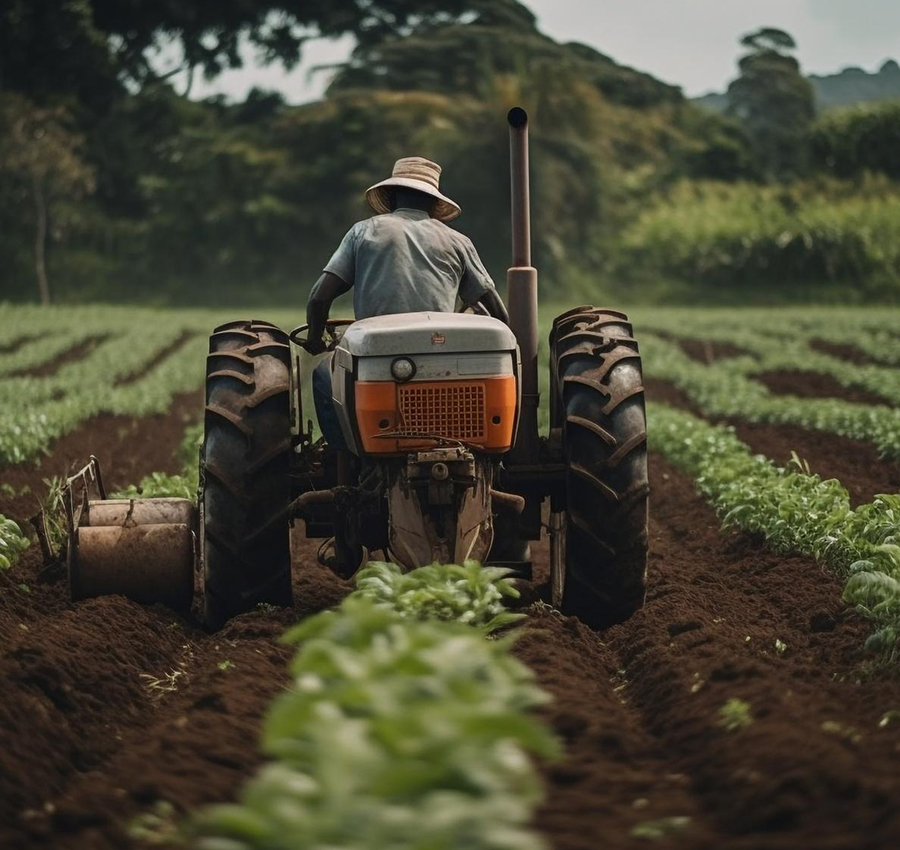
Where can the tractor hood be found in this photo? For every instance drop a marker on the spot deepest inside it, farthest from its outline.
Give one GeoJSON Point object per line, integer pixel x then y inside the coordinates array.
{"type": "Point", "coordinates": [426, 333]}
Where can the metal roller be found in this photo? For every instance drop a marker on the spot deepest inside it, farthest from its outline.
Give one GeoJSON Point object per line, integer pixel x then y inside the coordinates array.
{"type": "Point", "coordinates": [139, 512]}
{"type": "Point", "coordinates": [149, 563]}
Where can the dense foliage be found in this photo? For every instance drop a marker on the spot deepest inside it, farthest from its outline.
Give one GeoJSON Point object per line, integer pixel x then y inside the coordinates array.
{"type": "Point", "coordinates": [743, 242]}
{"type": "Point", "coordinates": [200, 202]}
{"type": "Point", "coordinates": [117, 187]}
{"type": "Point", "coordinates": [849, 142]}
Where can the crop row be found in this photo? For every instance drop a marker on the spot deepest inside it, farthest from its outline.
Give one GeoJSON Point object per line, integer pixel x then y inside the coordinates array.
{"type": "Point", "coordinates": [111, 362]}
{"type": "Point", "coordinates": [771, 350]}
{"type": "Point", "coordinates": [26, 431]}
{"type": "Point", "coordinates": [36, 410]}
{"type": "Point", "coordinates": [405, 727]}
{"type": "Point", "coordinates": [794, 510]}
{"type": "Point", "coordinates": [723, 389]}
{"type": "Point", "coordinates": [876, 333]}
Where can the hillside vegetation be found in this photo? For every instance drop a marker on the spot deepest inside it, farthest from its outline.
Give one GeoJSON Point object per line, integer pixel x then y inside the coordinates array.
{"type": "Point", "coordinates": [142, 194]}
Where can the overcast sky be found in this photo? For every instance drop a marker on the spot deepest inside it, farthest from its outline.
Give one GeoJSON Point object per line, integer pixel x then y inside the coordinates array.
{"type": "Point", "coordinates": [691, 43]}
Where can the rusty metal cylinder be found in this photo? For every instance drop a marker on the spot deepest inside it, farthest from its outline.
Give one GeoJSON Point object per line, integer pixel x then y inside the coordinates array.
{"type": "Point", "coordinates": [147, 563]}
{"type": "Point", "coordinates": [140, 548]}
{"type": "Point", "coordinates": [140, 512]}
{"type": "Point", "coordinates": [520, 186]}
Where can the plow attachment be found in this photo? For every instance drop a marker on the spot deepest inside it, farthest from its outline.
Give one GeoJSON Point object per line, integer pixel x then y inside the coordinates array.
{"type": "Point", "coordinates": [144, 549]}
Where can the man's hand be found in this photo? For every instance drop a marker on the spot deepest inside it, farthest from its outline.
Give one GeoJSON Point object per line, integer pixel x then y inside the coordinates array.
{"type": "Point", "coordinates": [494, 305]}
{"type": "Point", "coordinates": [315, 345]}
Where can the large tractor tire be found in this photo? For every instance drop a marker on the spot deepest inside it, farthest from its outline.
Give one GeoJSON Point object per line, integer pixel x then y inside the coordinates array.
{"type": "Point", "coordinates": [597, 403]}
{"type": "Point", "coordinates": [245, 469]}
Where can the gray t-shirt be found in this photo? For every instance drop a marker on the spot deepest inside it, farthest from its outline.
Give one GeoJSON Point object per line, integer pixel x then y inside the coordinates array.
{"type": "Point", "coordinates": [406, 262]}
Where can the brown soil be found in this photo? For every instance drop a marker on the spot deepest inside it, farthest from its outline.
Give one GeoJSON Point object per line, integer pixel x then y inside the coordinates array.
{"type": "Point", "coordinates": [815, 385]}
{"type": "Point", "coordinates": [638, 707]}
{"type": "Point", "coordinates": [850, 353]}
{"type": "Point", "coordinates": [88, 741]}
{"type": "Point", "coordinates": [70, 355]}
{"type": "Point", "coordinates": [708, 351]}
{"type": "Point", "coordinates": [93, 733]}
{"type": "Point", "coordinates": [667, 393]}
{"type": "Point", "coordinates": [703, 350]}
{"type": "Point", "coordinates": [854, 463]}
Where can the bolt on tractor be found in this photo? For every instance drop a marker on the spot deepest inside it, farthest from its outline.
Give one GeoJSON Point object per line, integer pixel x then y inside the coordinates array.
{"type": "Point", "coordinates": [444, 458]}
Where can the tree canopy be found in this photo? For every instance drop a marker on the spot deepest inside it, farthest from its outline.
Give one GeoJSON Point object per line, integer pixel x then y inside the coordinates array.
{"type": "Point", "coordinates": [773, 101]}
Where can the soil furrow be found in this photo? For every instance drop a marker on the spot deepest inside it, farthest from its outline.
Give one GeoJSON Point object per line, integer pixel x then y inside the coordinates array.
{"type": "Point", "coordinates": [815, 385]}
{"type": "Point", "coordinates": [842, 351]}
{"type": "Point", "coordinates": [613, 778]}
{"type": "Point", "coordinates": [190, 741]}
{"type": "Point", "coordinates": [814, 764]}
{"type": "Point", "coordinates": [157, 358]}
{"type": "Point", "coordinates": [71, 683]}
{"type": "Point", "coordinates": [71, 355]}
{"type": "Point", "coordinates": [852, 462]}
{"type": "Point", "coordinates": [703, 350]}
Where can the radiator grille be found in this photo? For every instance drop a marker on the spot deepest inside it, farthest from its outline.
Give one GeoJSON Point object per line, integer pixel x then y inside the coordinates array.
{"type": "Point", "coordinates": [452, 409]}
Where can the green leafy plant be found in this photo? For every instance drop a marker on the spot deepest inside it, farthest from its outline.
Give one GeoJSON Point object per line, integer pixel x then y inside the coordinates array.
{"type": "Point", "coordinates": [12, 542]}
{"type": "Point", "coordinates": [401, 730]}
{"type": "Point", "coordinates": [158, 485]}
{"type": "Point", "coordinates": [735, 714]}
{"type": "Point", "coordinates": [467, 593]}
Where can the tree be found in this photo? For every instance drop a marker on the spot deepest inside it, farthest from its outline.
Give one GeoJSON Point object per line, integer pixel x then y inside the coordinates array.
{"type": "Point", "coordinates": [57, 47]}
{"type": "Point", "coordinates": [773, 100]}
{"type": "Point", "coordinates": [40, 148]}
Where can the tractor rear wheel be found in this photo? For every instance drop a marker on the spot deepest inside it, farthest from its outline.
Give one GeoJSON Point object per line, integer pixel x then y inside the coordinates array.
{"type": "Point", "coordinates": [597, 402]}
{"type": "Point", "coordinates": [245, 470]}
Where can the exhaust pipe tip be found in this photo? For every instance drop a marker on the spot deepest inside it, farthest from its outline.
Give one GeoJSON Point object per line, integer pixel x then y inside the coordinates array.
{"type": "Point", "coordinates": [517, 117]}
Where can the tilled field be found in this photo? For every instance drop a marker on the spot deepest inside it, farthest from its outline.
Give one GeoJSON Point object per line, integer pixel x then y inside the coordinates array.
{"type": "Point", "coordinates": [108, 707]}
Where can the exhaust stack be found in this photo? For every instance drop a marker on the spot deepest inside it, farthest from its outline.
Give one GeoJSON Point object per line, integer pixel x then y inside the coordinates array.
{"type": "Point", "coordinates": [521, 281]}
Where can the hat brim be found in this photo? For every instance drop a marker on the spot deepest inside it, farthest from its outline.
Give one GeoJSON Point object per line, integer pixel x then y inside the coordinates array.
{"type": "Point", "coordinates": [378, 197]}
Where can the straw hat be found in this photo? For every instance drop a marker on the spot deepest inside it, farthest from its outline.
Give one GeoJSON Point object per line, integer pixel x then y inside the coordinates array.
{"type": "Point", "coordinates": [414, 172]}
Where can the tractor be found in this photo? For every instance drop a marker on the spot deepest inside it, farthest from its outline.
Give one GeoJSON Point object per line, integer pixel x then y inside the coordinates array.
{"type": "Point", "coordinates": [444, 459]}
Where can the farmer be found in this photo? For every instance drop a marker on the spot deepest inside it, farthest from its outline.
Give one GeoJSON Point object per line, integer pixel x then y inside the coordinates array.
{"type": "Point", "coordinates": [403, 260]}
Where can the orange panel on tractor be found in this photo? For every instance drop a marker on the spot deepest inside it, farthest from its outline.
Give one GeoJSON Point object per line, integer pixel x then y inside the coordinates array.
{"type": "Point", "coordinates": [480, 412]}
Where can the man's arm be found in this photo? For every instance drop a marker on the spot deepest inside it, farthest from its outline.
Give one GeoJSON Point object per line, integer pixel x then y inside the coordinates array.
{"type": "Point", "coordinates": [476, 286]}
{"type": "Point", "coordinates": [326, 289]}
{"type": "Point", "coordinates": [493, 303]}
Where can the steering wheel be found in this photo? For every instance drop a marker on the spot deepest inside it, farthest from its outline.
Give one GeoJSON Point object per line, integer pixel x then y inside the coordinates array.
{"type": "Point", "coordinates": [333, 333]}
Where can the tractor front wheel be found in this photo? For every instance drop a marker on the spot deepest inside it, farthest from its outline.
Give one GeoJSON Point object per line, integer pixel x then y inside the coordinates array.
{"type": "Point", "coordinates": [597, 403]}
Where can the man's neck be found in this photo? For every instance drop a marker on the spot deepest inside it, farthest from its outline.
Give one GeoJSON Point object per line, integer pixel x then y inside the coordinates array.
{"type": "Point", "coordinates": [412, 200]}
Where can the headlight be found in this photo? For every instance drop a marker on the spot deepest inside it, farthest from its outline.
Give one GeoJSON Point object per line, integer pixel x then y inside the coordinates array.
{"type": "Point", "coordinates": [403, 369]}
